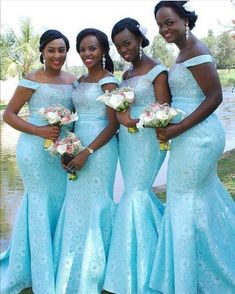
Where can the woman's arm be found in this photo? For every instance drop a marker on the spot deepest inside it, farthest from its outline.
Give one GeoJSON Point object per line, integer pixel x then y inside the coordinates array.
{"type": "Point", "coordinates": [125, 119]}
{"type": "Point", "coordinates": [207, 78]}
{"type": "Point", "coordinates": [161, 88]}
{"type": "Point", "coordinates": [105, 135]}
{"type": "Point", "coordinates": [10, 116]}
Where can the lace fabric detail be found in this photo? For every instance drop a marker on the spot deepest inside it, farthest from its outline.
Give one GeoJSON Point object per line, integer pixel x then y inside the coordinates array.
{"type": "Point", "coordinates": [143, 87]}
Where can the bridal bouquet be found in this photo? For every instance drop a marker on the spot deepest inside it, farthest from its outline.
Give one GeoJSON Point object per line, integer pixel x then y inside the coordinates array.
{"type": "Point", "coordinates": [158, 115]}
{"type": "Point", "coordinates": [57, 115]}
{"type": "Point", "coordinates": [67, 147]}
{"type": "Point", "coordinates": [119, 99]}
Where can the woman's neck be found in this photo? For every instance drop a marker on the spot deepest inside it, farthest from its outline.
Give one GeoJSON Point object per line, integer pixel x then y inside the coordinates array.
{"type": "Point", "coordinates": [95, 74]}
{"type": "Point", "coordinates": [138, 62]}
{"type": "Point", "coordinates": [185, 45]}
{"type": "Point", "coordinates": [97, 71]}
{"type": "Point", "coordinates": [51, 73]}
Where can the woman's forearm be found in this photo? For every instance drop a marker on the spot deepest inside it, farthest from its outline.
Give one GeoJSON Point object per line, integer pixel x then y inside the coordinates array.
{"type": "Point", "coordinates": [19, 124]}
{"type": "Point", "coordinates": [104, 137]}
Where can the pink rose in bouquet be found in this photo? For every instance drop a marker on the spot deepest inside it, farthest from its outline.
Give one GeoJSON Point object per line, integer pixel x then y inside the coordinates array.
{"type": "Point", "coordinates": [158, 115]}
{"type": "Point", "coordinates": [67, 147]}
{"type": "Point", "coordinates": [57, 115]}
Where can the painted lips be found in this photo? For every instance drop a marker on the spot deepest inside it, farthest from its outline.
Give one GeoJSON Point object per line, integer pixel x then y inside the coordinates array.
{"type": "Point", "coordinates": [167, 36]}
{"type": "Point", "coordinates": [57, 63]}
{"type": "Point", "coordinates": [126, 57]}
{"type": "Point", "coordinates": [88, 61]}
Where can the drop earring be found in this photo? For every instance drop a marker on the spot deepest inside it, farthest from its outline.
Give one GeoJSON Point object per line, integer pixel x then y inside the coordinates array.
{"type": "Point", "coordinates": [140, 52]}
{"type": "Point", "coordinates": [44, 64]}
{"type": "Point", "coordinates": [103, 61]}
{"type": "Point", "coordinates": [187, 31]}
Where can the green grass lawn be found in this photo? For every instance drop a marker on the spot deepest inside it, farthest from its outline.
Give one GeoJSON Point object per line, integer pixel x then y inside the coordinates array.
{"type": "Point", "coordinates": [227, 78]}
{"type": "Point", "coordinates": [226, 171]}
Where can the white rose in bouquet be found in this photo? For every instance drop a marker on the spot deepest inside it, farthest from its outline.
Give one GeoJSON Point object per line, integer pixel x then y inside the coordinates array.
{"type": "Point", "coordinates": [158, 115]}
{"type": "Point", "coordinates": [118, 99]}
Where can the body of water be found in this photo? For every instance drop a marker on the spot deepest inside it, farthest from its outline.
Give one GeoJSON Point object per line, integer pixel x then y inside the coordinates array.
{"type": "Point", "coordinates": [12, 187]}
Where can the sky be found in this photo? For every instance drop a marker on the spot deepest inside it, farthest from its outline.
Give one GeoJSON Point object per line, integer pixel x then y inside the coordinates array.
{"type": "Point", "coordinates": [70, 17]}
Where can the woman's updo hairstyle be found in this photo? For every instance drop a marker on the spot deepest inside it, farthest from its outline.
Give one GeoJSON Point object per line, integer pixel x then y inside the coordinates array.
{"type": "Point", "coordinates": [104, 43]}
{"type": "Point", "coordinates": [178, 7]}
{"type": "Point", "coordinates": [133, 26]}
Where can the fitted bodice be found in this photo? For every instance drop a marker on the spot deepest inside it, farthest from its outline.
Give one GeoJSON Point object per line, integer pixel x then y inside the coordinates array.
{"type": "Point", "coordinates": [84, 99]}
{"type": "Point", "coordinates": [144, 90]}
{"type": "Point", "coordinates": [46, 95]}
{"type": "Point", "coordinates": [92, 117]}
{"type": "Point", "coordinates": [182, 82]}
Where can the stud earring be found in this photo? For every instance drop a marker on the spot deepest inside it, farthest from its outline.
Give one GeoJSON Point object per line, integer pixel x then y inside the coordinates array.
{"type": "Point", "coordinates": [187, 31]}
{"type": "Point", "coordinates": [103, 61]}
{"type": "Point", "coordinates": [140, 52]}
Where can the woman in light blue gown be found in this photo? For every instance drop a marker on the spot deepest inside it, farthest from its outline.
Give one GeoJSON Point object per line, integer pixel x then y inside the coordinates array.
{"type": "Point", "coordinates": [28, 262]}
{"type": "Point", "coordinates": [196, 247]}
{"type": "Point", "coordinates": [84, 229]}
{"type": "Point", "coordinates": [139, 213]}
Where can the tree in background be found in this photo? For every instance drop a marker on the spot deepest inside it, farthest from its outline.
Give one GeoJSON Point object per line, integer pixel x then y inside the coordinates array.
{"type": "Point", "coordinates": [226, 48]}
{"type": "Point", "coordinates": [21, 52]}
{"type": "Point", "coordinates": [226, 45]}
{"type": "Point", "coordinates": [211, 42]}
{"type": "Point", "coordinates": [120, 64]}
{"type": "Point", "coordinates": [7, 43]}
{"type": "Point", "coordinates": [232, 26]}
{"type": "Point", "coordinates": [160, 51]}
{"type": "Point", "coordinates": [222, 48]}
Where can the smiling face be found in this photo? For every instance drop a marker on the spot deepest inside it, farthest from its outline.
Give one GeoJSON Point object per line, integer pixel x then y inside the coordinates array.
{"type": "Point", "coordinates": [127, 45]}
{"type": "Point", "coordinates": [90, 51]}
{"type": "Point", "coordinates": [54, 54]}
{"type": "Point", "coordinates": [171, 26]}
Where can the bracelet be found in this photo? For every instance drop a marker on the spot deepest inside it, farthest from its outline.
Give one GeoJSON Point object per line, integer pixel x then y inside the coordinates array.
{"type": "Point", "coordinates": [89, 150]}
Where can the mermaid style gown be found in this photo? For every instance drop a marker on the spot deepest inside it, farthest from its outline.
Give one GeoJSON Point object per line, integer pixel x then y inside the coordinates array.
{"type": "Point", "coordinates": [84, 229]}
{"type": "Point", "coordinates": [196, 247]}
{"type": "Point", "coordinates": [139, 213]}
{"type": "Point", "coordinates": [29, 258]}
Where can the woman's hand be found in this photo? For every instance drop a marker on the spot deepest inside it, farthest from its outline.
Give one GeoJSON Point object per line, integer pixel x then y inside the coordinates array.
{"type": "Point", "coordinates": [169, 132]}
{"type": "Point", "coordinates": [125, 119]}
{"type": "Point", "coordinates": [49, 132]}
{"type": "Point", "coordinates": [78, 161]}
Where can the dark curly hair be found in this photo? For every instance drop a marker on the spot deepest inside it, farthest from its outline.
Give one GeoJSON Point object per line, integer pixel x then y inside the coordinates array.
{"type": "Point", "coordinates": [104, 42]}
{"type": "Point", "coordinates": [133, 26]}
{"type": "Point", "coordinates": [178, 7]}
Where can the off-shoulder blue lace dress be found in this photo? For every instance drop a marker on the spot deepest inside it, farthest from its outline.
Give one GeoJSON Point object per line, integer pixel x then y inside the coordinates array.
{"type": "Point", "coordinates": [85, 224]}
{"type": "Point", "coordinates": [196, 247]}
{"type": "Point", "coordinates": [139, 213]}
{"type": "Point", "coordinates": [29, 258]}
